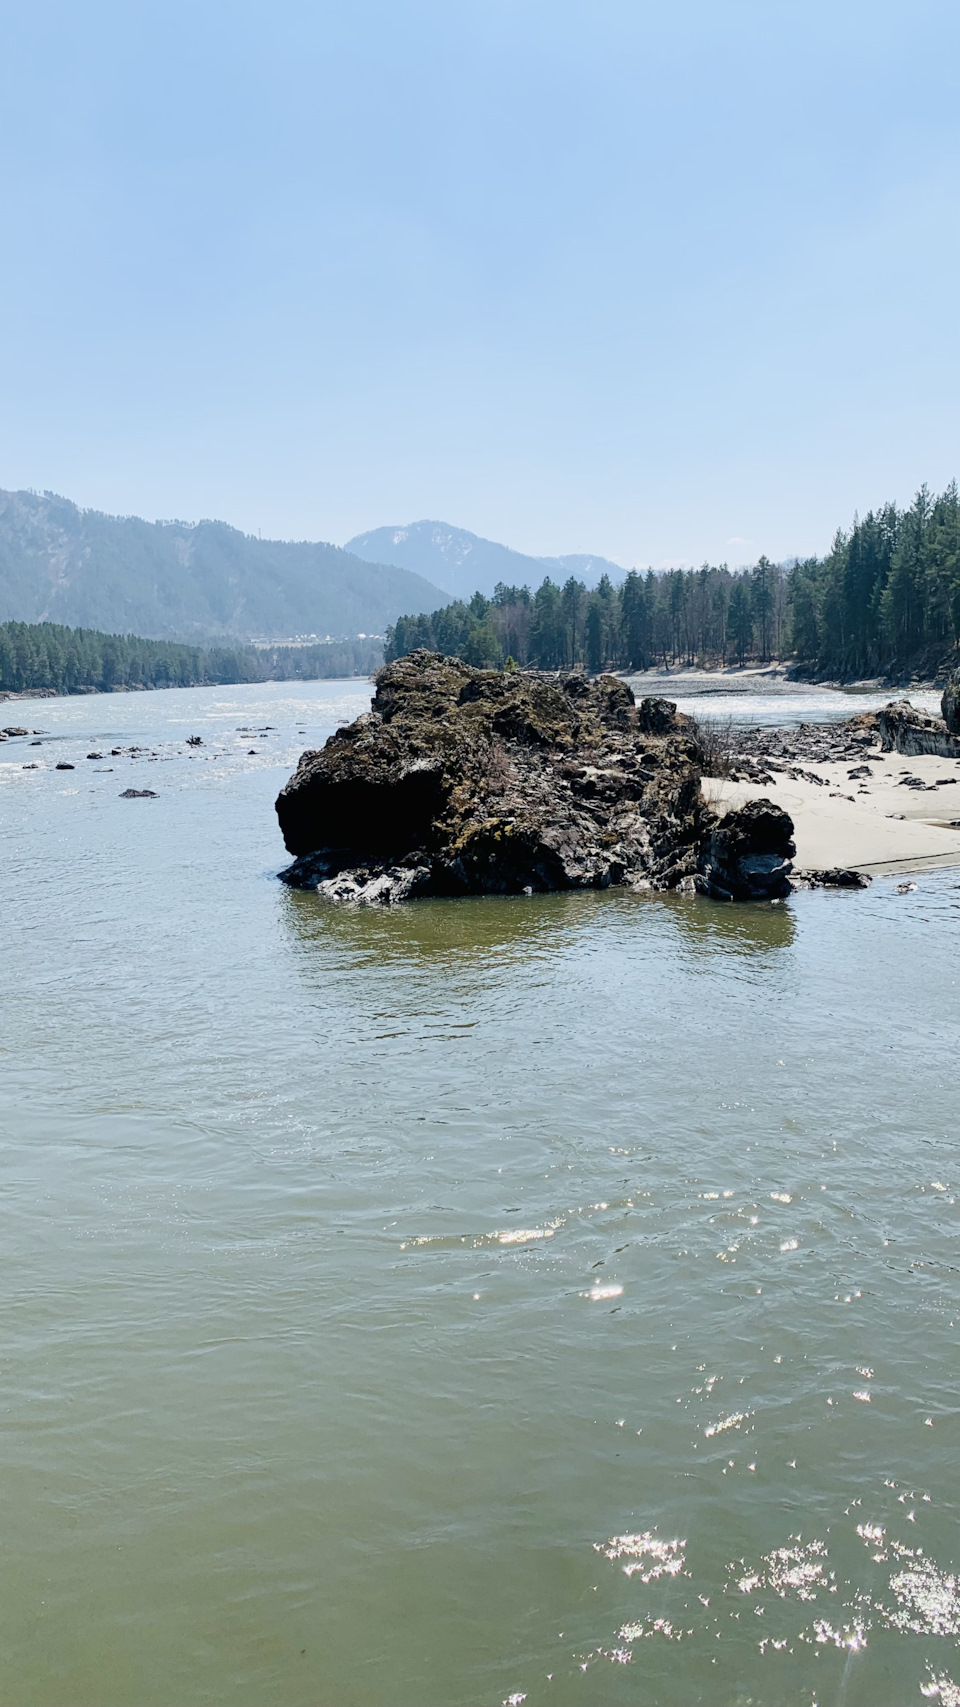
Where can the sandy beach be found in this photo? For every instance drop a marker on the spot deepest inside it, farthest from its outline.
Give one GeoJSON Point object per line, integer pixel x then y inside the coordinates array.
{"type": "Point", "coordinates": [880, 823]}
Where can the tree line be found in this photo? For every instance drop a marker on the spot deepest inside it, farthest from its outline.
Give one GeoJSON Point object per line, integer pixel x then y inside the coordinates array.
{"type": "Point", "coordinates": [885, 600]}
{"type": "Point", "coordinates": [77, 660]}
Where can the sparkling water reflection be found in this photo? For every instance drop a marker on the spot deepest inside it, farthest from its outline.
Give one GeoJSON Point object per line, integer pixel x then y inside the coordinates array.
{"type": "Point", "coordinates": [469, 1303]}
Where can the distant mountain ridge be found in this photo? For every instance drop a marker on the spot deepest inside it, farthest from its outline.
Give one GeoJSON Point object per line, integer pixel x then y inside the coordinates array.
{"type": "Point", "coordinates": [465, 563]}
{"type": "Point", "coordinates": [189, 581]}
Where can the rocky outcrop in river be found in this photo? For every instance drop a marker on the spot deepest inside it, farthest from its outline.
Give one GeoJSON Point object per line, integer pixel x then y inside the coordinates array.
{"type": "Point", "coordinates": [463, 781]}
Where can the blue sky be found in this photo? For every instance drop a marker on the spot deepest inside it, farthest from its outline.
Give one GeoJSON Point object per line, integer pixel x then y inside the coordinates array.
{"type": "Point", "coordinates": [667, 282]}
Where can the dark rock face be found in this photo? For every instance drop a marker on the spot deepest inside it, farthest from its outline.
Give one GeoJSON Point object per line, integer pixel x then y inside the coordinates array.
{"type": "Point", "coordinates": [903, 729]}
{"type": "Point", "coordinates": [139, 794]}
{"type": "Point", "coordinates": [463, 781]}
{"type": "Point", "coordinates": [950, 704]}
{"type": "Point", "coordinates": [749, 855]}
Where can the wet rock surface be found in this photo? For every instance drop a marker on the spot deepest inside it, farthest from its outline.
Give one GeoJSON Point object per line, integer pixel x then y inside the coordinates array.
{"type": "Point", "coordinates": [837, 877]}
{"type": "Point", "coordinates": [749, 855]}
{"type": "Point", "coordinates": [463, 781]}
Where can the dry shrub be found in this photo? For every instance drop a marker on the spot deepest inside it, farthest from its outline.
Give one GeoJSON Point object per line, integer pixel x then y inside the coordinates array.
{"type": "Point", "coordinates": [715, 740]}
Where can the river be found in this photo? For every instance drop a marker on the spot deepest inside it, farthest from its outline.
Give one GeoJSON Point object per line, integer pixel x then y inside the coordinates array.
{"type": "Point", "coordinates": [548, 1300]}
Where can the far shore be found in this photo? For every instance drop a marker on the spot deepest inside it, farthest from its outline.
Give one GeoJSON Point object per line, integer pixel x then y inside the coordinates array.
{"type": "Point", "coordinates": [683, 679]}
{"type": "Point", "coordinates": [8, 696]}
{"type": "Point", "coordinates": [775, 677]}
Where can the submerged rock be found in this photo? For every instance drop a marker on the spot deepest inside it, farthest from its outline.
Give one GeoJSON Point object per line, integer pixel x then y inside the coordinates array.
{"type": "Point", "coordinates": [462, 781]}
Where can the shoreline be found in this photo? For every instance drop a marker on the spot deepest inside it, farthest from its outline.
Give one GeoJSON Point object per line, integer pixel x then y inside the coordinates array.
{"type": "Point", "coordinates": [761, 679]}
{"type": "Point", "coordinates": [687, 680]}
{"type": "Point", "coordinates": [9, 695]}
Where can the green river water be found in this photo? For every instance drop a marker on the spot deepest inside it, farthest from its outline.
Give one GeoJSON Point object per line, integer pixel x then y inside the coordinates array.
{"type": "Point", "coordinates": [549, 1300]}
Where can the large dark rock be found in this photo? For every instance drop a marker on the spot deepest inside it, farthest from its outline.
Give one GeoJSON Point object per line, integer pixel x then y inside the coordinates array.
{"type": "Point", "coordinates": [463, 781]}
{"type": "Point", "coordinates": [749, 855]}
{"type": "Point", "coordinates": [904, 729]}
{"type": "Point", "coordinates": [950, 704]}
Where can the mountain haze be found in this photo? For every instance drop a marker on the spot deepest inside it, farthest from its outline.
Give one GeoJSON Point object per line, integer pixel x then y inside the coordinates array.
{"type": "Point", "coordinates": [183, 580]}
{"type": "Point", "coordinates": [464, 563]}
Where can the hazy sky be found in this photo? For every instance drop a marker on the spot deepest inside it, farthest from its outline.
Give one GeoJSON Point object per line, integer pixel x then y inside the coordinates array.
{"type": "Point", "coordinates": [665, 281]}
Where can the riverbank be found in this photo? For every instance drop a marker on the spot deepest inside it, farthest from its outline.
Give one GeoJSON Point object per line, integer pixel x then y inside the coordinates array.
{"type": "Point", "coordinates": [160, 687]}
{"type": "Point", "coordinates": [852, 805]}
{"type": "Point", "coordinates": [869, 828]}
{"type": "Point", "coordinates": [770, 679]}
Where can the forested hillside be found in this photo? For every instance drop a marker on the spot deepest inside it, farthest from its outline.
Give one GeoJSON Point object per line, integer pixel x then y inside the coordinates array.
{"type": "Point", "coordinates": [74, 660]}
{"type": "Point", "coordinates": [179, 580]}
{"type": "Point", "coordinates": [464, 563]}
{"type": "Point", "coordinates": [885, 601]}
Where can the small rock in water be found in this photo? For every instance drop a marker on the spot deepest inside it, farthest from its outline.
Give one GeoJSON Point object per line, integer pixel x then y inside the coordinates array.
{"type": "Point", "coordinates": [838, 877]}
{"type": "Point", "coordinates": [905, 888]}
{"type": "Point", "coordinates": [33, 767]}
{"type": "Point", "coordinates": [194, 740]}
{"type": "Point", "coordinates": [65, 766]}
{"type": "Point", "coordinates": [94, 755]}
{"type": "Point", "coordinates": [139, 794]}
{"type": "Point", "coordinates": [14, 729]}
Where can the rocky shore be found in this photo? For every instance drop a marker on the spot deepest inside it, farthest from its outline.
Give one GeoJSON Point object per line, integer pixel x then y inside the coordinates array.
{"type": "Point", "coordinates": [897, 728]}
{"type": "Point", "coordinates": [858, 810]}
{"type": "Point", "coordinates": [463, 781]}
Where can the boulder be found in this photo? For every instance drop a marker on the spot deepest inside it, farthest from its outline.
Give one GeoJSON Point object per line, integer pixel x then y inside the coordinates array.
{"type": "Point", "coordinates": [904, 729]}
{"type": "Point", "coordinates": [950, 704]}
{"type": "Point", "coordinates": [749, 855]}
{"type": "Point", "coordinates": [656, 716]}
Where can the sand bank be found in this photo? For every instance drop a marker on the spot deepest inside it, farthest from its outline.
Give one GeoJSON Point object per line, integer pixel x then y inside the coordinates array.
{"type": "Point", "coordinates": [876, 824]}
